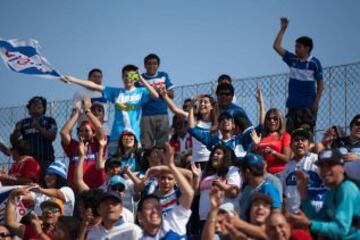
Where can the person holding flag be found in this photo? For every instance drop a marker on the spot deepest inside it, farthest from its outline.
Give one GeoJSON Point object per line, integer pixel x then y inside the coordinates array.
{"type": "Point", "coordinates": [127, 100]}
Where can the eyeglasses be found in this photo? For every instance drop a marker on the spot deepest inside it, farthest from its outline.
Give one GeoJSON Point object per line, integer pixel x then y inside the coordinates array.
{"type": "Point", "coordinates": [225, 94]}
{"type": "Point", "coordinates": [51, 209]}
{"type": "Point", "coordinates": [275, 118]}
{"type": "Point", "coordinates": [4, 235]}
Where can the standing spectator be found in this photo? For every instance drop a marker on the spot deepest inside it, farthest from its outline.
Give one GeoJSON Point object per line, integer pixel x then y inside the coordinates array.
{"type": "Point", "coordinates": [240, 144]}
{"type": "Point", "coordinates": [275, 142]}
{"type": "Point", "coordinates": [39, 131]}
{"type": "Point", "coordinates": [155, 120]}
{"type": "Point", "coordinates": [38, 229]}
{"type": "Point", "coordinates": [173, 225]}
{"type": "Point", "coordinates": [24, 170]}
{"type": "Point", "coordinates": [223, 78]}
{"type": "Point", "coordinates": [112, 225]}
{"type": "Point", "coordinates": [278, 228]}
{"type": "Point", "coordinates": [305, 161]}
{"type": "Point", "coordinates": [205, 120]}
{"type": "Point", "coordinates": [219, 172]}
{"type": "Point", "coordinates": [253, 171]}
{"type": "Point", "coordinates": [92, 134]}
{"type": "Point", "coordinates": [95, 75]}
{"type": "Point", "coordinates": [127, 102]}
{"type": "Point", "coordinates": [225, 95]}
{"type": "Point", "coordinates": [339, 216]}
{"type": "Point", "coordinates": [304, 98]}
{"type": "Point", "coordinates": [181, 141]}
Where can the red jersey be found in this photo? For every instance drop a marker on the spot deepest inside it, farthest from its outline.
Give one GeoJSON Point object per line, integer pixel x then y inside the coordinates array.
{"type": "Point", "coordinates": [30, 233]}
{"type": "Point", "coordinates": [92, 176]}
{"type": "Point", "coordinates": [275, 142]}
{"type": "Point", "coordinates": [27, 168]}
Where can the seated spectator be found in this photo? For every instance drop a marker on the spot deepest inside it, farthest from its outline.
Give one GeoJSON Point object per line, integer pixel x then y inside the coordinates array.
{"type": "Point", "coordinates": [55, 187]}
{"type": "Point", "coordinates": [305, 161]}
{"type": "Point", "coordinates": [277, 228]}
{"type": "Point", "coordinates": [173, 225]}
{"type": "Point", "coordinates": [127, 100]}
{"type": "Point", "coordinates": [306, 80]}
{"type": "Point", "coordinates": [275, 142]}
{"type": "Point", "coordinates": [24, 170]}
{"type": "Point", "coordinates": [181, 141]}
{"type": "Point", "coordinates": [186, 105]}
{"type": "Point", "coordinates": [202, 115]}
{"type": "Point", "coordinates": [5, 233]}
{"type": "Point", "coordinates": [67, 227]}
{"type": "Point", "coordinates": [339, 216]}
{"type": "Point", "coordinates": [253, 171]}
{"type": "Point", "coordinates": [240, 144]}
{"type": "Point", "coordinates": [52, 209]}
{"type": "Point", "coordinates": [113, 226]}
{"type": "Point", "coordinates": [39, 131]}
{"type": "Point", "coordinates": [332, 138]}
{"type": "Point", "coordinates": [225, 95]}
{"type": "Point", "coordinates": [221, 173]}
{"type": "Point", "coordinates": [93, 135]}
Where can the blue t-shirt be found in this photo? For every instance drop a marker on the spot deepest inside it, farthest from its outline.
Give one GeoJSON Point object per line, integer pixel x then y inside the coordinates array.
{"type": "Point", "coordinates": [156, 106]}
{"type": "Point", "coordinates": [303, 74]}
{"type": "Point", "coordinates": [127, 109]}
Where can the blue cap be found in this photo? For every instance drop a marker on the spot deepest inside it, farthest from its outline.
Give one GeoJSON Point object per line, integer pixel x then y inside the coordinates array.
{"type": "Point", "coordinates": [112, 195]}
{"type": "Point", "coordinates": [58, 168]}
{"type": "Point", "coordinates": [115, 180]}
{"type": "Point", "coordinates": [252, 160]}
{"type": "Point", "coordinates": [225, 115]}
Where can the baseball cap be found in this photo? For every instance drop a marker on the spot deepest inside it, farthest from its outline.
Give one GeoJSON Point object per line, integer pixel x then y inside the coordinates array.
{"type": "Point", "coordinates": [332, 155]}
{"type": "Point", "coordinates": [53, 202]}
{"type": "Point", "coordinates": [59, 168]}
{"type": "Point", "coordinates": [300, 132]}
{"type": "Point", "coordinates": [261, 196]}
{"type": "Point", "coordinates": [227, 207]}
{"type": "Point", "coordinates": [252, 160]}
{"type": "Point", "coordinates": [117, 180]}
{"type": "Point", "coordinates": [111, 195]}
{"type": "Point", "coordinates": [225, 115]}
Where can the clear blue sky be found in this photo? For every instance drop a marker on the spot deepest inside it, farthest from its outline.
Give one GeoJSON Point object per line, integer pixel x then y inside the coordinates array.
{"type": "Point", "coordinates": [196, 40]}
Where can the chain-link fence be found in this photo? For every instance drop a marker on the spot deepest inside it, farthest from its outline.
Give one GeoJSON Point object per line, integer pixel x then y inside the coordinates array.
{"type": "Point", "coordinates": [339, 104]}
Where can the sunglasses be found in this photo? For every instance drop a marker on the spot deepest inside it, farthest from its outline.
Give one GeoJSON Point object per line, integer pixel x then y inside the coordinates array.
{"type": "Point", "coordinates": [225, 94]}
{"type": "Point", "coordinates": [180, 125]}
{"type": "Point", "coordinates": [51, 209]}
{"type": "Point", "coordinates": [117, 188]}
{"type": "Point", "coordinates": [4, 235]}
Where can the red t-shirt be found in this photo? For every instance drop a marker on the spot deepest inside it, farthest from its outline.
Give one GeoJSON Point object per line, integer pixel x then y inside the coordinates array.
{"type": "Point", "coordinates": [275, 142]}
{"type": "Point", "coordinates": [30, 233]}
{"type": "Point", "coordinates": [92, 177]}
{"type": "Point", "coordinates": [27, 168]}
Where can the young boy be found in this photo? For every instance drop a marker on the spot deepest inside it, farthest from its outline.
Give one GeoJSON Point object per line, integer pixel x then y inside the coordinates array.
{"type": "Point", "coordinates": [127, 102]}
{"type": "Point", "coordinates": [305, 70]}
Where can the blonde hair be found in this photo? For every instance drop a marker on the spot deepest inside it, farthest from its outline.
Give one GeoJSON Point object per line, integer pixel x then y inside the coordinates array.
{"type": "Point", "coordinates": [282, 123]}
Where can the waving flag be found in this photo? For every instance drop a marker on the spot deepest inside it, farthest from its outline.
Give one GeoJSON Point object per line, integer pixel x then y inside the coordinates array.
{"type": "Point", "coordinates": [23, 56]}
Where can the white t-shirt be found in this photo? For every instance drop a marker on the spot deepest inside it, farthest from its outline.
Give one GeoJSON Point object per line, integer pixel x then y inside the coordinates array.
{"type": "Point", "coordinates": [232, 178]}
{"type": "Point", "coordinates": [315, 186]}
{"type": "Point", "coordinates": [68, 205]}
{"type": "Point", "coordinates": [121, 230]}
{"type": "Point", "coordinates": [199, 151]}
{"type": "Point", "coordinates": [173, 225]}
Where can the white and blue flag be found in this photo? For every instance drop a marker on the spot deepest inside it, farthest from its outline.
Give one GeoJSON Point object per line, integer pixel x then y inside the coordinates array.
{"type": "Point", "coordinates": [23, 56]}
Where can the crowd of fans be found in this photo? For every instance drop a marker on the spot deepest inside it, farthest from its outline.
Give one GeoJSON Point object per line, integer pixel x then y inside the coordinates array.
{"type": "Point", "coordinates": [212, 173]}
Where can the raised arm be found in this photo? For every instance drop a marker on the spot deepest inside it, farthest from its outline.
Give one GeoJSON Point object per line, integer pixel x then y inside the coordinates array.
{"type": "Point", "coordinates": [84, 83]}
{"type": "Point", "coordinates": [79, 183]}
{"type": "Point", "coordinates": [100, 161]}
{"type": "Point", "coordinates": [261, 103]}
{"type": "Point", "coordinates": [65, 132]}
{"type": "Point", "coordinates": [153, 92]}
{"type": "Point", "coordinates": [10, 214]}
{"type": "Point", "coordinates": [175, 109]}
{"type": "Point", "coordinates": [278, 40]}
{"type": "Point", "coordinates": [100, 132]}
{"type": "Point", "coordinates": [51, 192]}
{"type": "Point", "coordinates": [187, 192]}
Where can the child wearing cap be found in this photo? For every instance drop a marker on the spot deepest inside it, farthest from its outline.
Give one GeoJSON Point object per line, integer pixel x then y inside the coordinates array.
{"type": "Point", "coordinates": [305, 161]}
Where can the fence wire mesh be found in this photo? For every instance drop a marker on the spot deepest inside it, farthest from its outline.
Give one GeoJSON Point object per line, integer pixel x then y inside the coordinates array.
{"type": "Point", "coordinates": [339, 104]}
